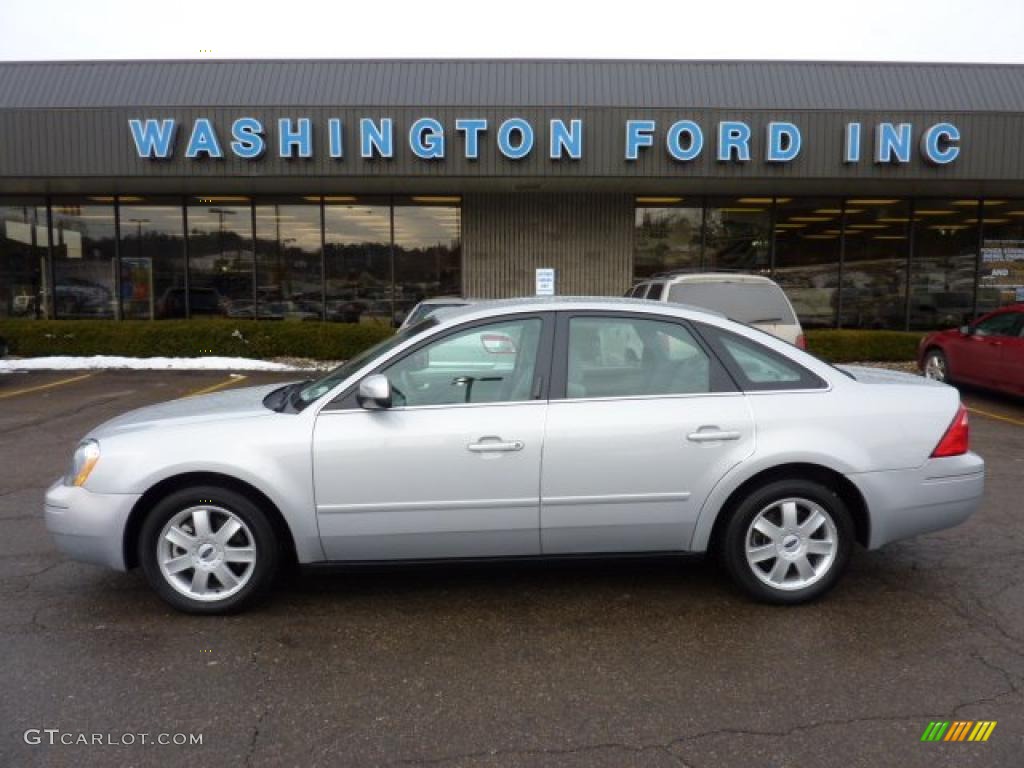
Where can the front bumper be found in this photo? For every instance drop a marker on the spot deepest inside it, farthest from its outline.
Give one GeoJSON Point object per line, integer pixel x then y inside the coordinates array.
{"type": "Point", "coordinates": [89, 526]}
{"type": "Point", "coordinates": [940, 494]}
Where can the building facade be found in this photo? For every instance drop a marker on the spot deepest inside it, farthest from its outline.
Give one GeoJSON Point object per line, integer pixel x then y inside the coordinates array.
{"type": "Point", "coordinates": [878, 195]}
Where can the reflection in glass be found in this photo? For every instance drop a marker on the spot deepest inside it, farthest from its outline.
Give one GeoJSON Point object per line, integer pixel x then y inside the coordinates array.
{"type": "Point", "coordinates": [23, 268]}
{"type": "Point", "coordinates": [874, 270]}
{"type": "Point", "coordinates": [220, 258]}
{"type": "Point", "coordinates": [428, 255]}
{"type": "Point", "coordinates": [666, 239]}
{"type": "Point", "coordinates": [358, 262]}
{"type": "Point", "coordinates": [1001, 281]}
{"type": "Point", "coordinates": [152, 260]}
{"type": "Point", "coordinates": [807, 256]}
{"type": "Point", "coordinates": [288, 262]}
{"type": "Point", "coordinates": [737, 234]}
{"type": "Point", "coordinates": [943, 265]}
{"type": "Point", "coordinates": [83, 259]}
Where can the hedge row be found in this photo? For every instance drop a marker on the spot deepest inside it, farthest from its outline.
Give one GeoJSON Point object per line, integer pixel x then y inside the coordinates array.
{"type": "Point", "coordinates": [322, 341]}
{"type": "Point", "coordinates": [190, 338]}
{"type": "Point", "coordinates": [862, 346]}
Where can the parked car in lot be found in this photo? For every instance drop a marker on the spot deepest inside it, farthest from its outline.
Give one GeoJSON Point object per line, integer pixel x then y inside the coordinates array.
{"type": "Point", "coordinates": [750, 299]}
{"type": "Point", "coordinates": [524, 429]}
{"type": "Point", "coordinates": [988, 352]}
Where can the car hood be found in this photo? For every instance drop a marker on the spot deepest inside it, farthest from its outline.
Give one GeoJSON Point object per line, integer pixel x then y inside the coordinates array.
{"type": "Point", "coordinates": [217, 406]}
{"type": "Point", "coordinates": [867, 375]}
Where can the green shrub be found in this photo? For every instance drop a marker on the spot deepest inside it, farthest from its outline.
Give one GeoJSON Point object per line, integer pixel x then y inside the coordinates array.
{"type": "Point", "coordinates": [857, 346]}
{"type": "Point", "coordinates": [322, 341]}
{"type": "Point", "coordinates": [190, 338]}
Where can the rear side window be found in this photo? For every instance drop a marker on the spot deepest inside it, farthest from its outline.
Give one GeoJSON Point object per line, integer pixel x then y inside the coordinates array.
{"type": "Point", "coordinates": [626, 356]}
{"type": "Point", "coordinates": [655, 292]}
{"type": "Point", "coordinates": [743, 302]}
{"type": "Point", "coordinates": [756, 367]}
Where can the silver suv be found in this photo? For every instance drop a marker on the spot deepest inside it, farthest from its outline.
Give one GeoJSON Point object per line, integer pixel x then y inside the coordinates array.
{"type": "Point", "coordinates": [749, 299]}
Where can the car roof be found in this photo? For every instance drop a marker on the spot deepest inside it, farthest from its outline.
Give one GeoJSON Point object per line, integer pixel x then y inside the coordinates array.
{"type": "Point", "coordinates": [569, 303]}
{"type": "Point", "coordinates": [714, 277]}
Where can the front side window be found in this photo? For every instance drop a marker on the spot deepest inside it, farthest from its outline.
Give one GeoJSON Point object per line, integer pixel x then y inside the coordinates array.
{"type": "Point", "coordinates": [1003, 324]}
{"type": "Point", "coordinates": [628, 357]}
{"type": "Point", "coordinates": [491, 363]}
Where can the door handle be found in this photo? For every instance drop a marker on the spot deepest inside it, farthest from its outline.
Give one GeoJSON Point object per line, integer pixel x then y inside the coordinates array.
{"type": "Point", "coordinates": [495, 444]}
{"type": "Point", "coordinates": [711, 435]}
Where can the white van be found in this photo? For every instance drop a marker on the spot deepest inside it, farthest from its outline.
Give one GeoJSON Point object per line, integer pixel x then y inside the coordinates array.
{"type": "Point", "coordinates": [750, 299]}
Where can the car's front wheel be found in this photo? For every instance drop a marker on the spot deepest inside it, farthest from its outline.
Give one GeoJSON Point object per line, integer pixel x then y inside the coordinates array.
{"type": "Point", "coordinates": [208, 550]}
{"type": "Point", "coordinates": [788, 541]}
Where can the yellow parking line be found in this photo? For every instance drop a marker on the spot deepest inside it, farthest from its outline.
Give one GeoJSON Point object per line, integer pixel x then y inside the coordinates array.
{"type": "Point", "coordinates": [1000, 417]}
{"type": "Point", "coordinates": [52, 384]}
{"type": "Point", "coordinates": [233, 379]}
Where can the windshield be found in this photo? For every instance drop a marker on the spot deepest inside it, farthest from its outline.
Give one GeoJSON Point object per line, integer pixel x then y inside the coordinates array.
{"type": "Point", "coordinates": [322, 386]}
{"type": "Point", "coordinates": [422, 311]}
{"type": "Point", "coordinates": [744, 302]}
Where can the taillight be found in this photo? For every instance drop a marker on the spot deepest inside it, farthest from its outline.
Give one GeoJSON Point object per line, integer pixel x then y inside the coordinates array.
{"type": "Point", "coordinates": [957, 438]}
{"type": "Point", "coordinates": [801, 342]}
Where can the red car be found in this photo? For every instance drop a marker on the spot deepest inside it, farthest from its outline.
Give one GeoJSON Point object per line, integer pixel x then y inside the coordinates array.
{"type": "Point", "coordinates": [988, 353]}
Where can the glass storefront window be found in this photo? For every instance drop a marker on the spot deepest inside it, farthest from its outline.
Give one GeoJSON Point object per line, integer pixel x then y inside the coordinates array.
{"type": "Point", "coordinates": [24, 273]}
{"type": "Point", "coordinates": [152, 256]}
{"type": "Point", "coordinates": [428, 254]}
{"type": "Point", "coordinates": [220, 257]}
{"type": "Point", "coordinates": [84, 267]}
{"type": "Point", "coordinates": [807, 241]}
{"type": "Point", "coordinates": [667, 236]}
{"type": "Point", "coordinates": [357, 236]}
{"type": "Point", "coordinates": [288, 263]}
{"type": "Point", "coordinates": [875, 261]}
{"type": "Point", "coordinates": [1001, 278]}
{"type": "Point", "coordinates": [737, 234]}
{"type": "Point", "coordinates": [943, 264]}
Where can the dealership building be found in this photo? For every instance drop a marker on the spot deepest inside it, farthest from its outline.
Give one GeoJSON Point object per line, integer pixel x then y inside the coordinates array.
{"type": "Point", "coordinates": [878, 195]}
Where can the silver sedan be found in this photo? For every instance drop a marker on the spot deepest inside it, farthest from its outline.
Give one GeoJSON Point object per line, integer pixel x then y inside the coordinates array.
{"type": "Point", "coordinates": [525, 429]}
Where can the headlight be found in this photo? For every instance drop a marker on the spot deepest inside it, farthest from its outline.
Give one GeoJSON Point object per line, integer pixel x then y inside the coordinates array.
{"type": "Point", "coordinates": [86, 455]}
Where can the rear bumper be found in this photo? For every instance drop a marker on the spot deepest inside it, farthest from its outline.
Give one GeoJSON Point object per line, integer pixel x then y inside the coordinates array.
{"type": "Point", "coordinates": [89, 526]}
{"type": "Point", "coordinates": [940, 494]}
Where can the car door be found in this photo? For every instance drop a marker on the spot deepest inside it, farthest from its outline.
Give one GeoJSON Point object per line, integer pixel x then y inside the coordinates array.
{"type": "Point", "coordinates": [642, 423]}
{"type": "Point", "coordinates": [452, 469]}
{"type": "Point", "coordinates": [1010, 375]}
{"type": "Point", "coordinates": [983, 351]}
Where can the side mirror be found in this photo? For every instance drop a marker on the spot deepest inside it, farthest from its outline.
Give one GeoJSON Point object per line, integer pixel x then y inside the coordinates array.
{"type": "Point", "coordinates": [966, 330]}
{"type": "Point", "coordinates": [374, 392]}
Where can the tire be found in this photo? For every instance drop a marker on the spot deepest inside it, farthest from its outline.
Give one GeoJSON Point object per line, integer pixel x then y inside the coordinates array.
{"type": "Point", "coordinates": [936, 365]}
{"type": "Point", "coordinates": [208, 574]}
{"type": "Point", "coordinates": [797, 563]}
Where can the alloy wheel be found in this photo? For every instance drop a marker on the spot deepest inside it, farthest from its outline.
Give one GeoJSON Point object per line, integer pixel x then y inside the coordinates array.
{"type": "Point", "coordinates": [206, 553]}
{"type": "Point", "coordinates": [791, 543]}
{"type": "Point", "coordinates": [935, 367]}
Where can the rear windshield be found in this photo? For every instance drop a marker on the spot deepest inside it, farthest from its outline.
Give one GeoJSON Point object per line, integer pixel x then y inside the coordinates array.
{"type": "Point", "coordinates": [744, 302]}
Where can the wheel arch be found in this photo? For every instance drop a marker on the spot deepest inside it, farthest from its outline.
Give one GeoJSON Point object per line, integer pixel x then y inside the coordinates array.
{"type": "Point", "coordinates": [174, 483]}
{"type": "Point", "coordinates": [826, 476]}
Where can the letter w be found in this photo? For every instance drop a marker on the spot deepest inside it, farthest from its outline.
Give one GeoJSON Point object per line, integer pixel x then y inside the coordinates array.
{"type": "Point", "coordinates": [153, 138]}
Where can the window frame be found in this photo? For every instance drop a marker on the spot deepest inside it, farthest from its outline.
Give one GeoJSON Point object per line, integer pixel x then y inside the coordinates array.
{"type": "Point", "coordinates": [1018, 327]}
{"type": "Point", "coordinates": [346, 401]}
{"type": "Point", "coordinates": [723, 383]}
{"type": "Point", "coordinates": [714, 336]}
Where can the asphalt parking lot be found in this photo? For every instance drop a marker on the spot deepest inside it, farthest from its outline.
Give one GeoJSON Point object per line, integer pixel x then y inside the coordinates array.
{"type": "Point", "coordinates": [610, 664]}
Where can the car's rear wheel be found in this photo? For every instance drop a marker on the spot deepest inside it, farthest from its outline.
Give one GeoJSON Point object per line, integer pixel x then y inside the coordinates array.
{"type": "Point", "coordinates": [788, 542]}
{"type": "Point", "coordinates": [936, 366]}
{"type": "Point", "coordinates": [208, 550]}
